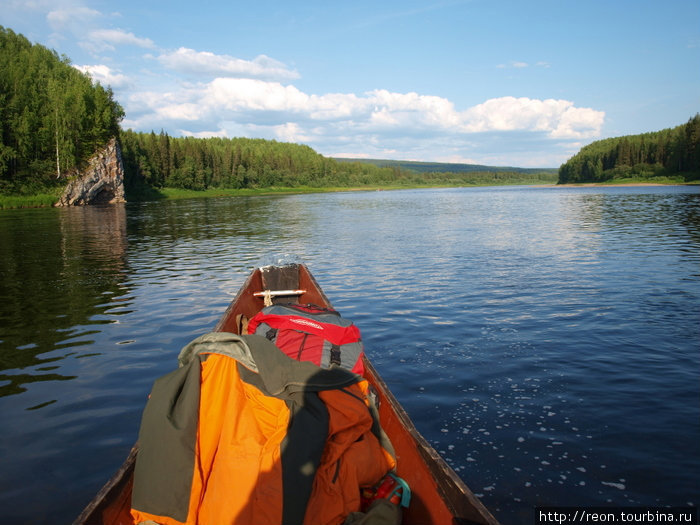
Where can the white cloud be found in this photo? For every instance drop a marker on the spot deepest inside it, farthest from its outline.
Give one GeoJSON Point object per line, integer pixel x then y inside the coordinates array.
{"type": "Point", "coordinates": [290, 132]}
{"type": "Point", "coordinates": [513, 64]}
{"type": "Point", "coordinates": [376, 117]}
{"type": "Point", "coordinates": [377, 124]}
{"type": "Point", "coordinates": [71, 18]}
{"type": "Point", "coordinates": [107, 37]}
{"type": "Point", "coordinates": [517, 64]}
{"type": "Point", "coordinates": [579, 123]}
{"type": "Point", "coordinates": [557, 118]}
{"type": "Point", "coordinates": [106, 76]}
{"type": "Point", "coordinates": [411, 109]}
{"type": "Point", "coordinates": [189, 61]}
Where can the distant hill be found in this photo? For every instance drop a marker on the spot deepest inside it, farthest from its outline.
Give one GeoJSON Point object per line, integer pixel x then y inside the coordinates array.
{"type": "Point", "coordinates": [445, 167]}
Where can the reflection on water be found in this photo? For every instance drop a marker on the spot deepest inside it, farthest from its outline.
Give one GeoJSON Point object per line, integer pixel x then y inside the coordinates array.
{"type": "Point", "coordinates": [544, 340]}
{"type": "Point", "coordinates": [60, 269]}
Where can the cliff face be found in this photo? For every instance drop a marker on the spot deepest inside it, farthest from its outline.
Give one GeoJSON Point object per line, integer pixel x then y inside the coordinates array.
{"type": "Point", "coordinates": [101, 182]}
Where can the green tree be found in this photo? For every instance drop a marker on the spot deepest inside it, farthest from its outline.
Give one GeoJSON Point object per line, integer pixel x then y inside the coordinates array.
{"type": "Point", "coordinates": [53, 116]}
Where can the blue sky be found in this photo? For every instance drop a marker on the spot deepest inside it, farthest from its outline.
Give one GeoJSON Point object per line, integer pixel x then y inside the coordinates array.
{"type": "Point", "coordinates": [503, 83]}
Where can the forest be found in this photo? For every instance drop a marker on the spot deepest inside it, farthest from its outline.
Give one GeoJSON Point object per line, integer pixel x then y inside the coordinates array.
{"type": "Point", "coordinates": [52, 116]}
{"type": "Point", "coordinates": [648, 156]}
{"type": "Point", "coordinates": [160, 161]}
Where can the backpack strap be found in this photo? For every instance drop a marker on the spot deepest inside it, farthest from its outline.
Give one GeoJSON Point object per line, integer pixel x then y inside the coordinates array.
{"type": "Point", "coordinates": [335, 355]}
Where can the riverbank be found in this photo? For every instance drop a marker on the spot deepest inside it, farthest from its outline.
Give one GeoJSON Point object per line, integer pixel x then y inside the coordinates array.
{"type": "Point", "coordinates": [39, 200]}
{"type": "Point", "coordinates": [657, 181]}
{"type": "Point", "coordinates": [45, 200]}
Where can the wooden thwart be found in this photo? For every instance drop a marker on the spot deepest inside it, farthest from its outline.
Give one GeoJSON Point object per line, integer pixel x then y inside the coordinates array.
{"type": "Point", "coordinates": [267, 295]}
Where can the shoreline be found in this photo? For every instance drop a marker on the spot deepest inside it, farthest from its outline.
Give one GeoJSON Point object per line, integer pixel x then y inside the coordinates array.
{"type": "Point", "coordinates": [616, 184]}
{"type": "Point", "coordinates": [9, 202]}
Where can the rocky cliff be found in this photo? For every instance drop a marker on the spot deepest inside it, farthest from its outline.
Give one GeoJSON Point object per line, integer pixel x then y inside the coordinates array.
{"type": "Point", "coordinates": [102, 181]}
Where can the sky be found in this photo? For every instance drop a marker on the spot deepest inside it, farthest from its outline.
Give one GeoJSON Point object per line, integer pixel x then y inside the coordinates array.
{"type": "Point", "coordinates": [494, 82]}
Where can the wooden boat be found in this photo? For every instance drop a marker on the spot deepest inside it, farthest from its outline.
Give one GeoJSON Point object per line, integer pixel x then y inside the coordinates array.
{"type": "Point", "coordinates": [439, 496]}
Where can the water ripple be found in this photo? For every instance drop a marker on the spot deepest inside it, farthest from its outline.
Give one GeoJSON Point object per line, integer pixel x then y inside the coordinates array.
{"type": "Point", "coordinates": [544, 340]}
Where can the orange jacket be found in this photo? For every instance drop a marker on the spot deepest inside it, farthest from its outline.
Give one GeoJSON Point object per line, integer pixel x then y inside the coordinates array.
{"type": "Point", "coordinates": [259, 439]}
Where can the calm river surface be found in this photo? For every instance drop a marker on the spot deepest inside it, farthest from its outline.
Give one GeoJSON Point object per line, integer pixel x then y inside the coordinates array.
{"type": "Point", "coordinates": [545, 340]}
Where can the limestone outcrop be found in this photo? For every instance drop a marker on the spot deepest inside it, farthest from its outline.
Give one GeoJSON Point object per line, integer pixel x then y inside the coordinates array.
{"type": "Point", "coordinates": [101, 182]}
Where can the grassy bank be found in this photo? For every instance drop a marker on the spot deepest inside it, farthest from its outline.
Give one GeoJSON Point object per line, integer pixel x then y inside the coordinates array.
{"type": "Point", "coordinates": [177, 193]}
{"type": "Point", "coordinates": [41, 200]}
{"type": "Point", "coordinates": [679, 180]}
{"type": "Point", "coordinates": [47, 199]}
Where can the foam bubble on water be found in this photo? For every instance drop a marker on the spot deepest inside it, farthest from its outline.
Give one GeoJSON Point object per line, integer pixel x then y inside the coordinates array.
{"type": "Point", "coordinates": [521, 439]}
{"type": "Point", "coordinates": [620, 486]}
{"type": "Point", "coordinates": [581, 469]}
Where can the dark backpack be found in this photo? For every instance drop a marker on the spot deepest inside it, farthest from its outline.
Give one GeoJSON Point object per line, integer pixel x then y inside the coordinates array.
{"type": "Point", "coordinates": [311, 333]}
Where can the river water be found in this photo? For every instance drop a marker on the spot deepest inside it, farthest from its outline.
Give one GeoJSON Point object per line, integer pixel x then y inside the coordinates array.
{"type": "Point", "coordinates": [545, 340]}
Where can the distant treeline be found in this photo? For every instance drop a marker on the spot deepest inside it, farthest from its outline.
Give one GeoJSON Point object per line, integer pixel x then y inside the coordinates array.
{"type": "Point", "coordinates": [159, 161]}
{"type": "Point", "coordinates": [668, 152]}
{"type": "Point", "coordinates": [448, 167]}
{"type": "Point", "coordinates": [52, 116]}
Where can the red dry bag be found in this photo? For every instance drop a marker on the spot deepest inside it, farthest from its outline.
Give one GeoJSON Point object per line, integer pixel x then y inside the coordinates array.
{"type": "Point", "coordinates": [311, 333]}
